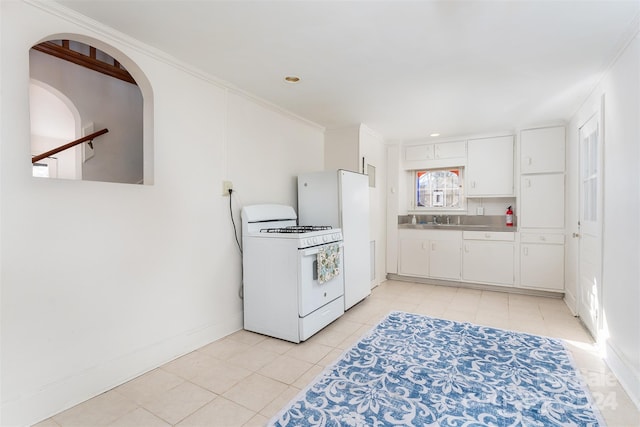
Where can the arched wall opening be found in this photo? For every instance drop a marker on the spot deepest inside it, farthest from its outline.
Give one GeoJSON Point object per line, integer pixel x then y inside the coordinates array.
{"type": "Point", "coordinates": [55, 120]}
{"type": "Point", "coordinates": [125, 153]}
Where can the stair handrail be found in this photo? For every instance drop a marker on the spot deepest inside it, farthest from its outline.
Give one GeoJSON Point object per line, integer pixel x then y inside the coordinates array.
{"type": "Point", "coordinates": [69, 145]}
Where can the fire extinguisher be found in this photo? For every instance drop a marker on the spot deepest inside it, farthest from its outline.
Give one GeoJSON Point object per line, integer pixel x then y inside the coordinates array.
{"type": "Point", "coordinates": [509, 217]}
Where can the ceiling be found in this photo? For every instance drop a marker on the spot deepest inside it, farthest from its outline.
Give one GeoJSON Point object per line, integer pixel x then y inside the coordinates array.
{"type": "Point", "coordinates": [406, 69]}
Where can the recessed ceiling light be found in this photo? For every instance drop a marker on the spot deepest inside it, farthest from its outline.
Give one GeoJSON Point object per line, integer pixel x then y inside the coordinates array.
{"type": "Point", "coordinates": [292, 79]}
{"type": "Point", "coordinates": [435, 134]}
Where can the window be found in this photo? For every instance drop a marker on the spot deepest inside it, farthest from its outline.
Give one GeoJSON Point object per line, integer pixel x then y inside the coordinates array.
{"type": "Point", "coordinates": [84, 87]}
{"type": "Point", "coordinates": [439, 189]}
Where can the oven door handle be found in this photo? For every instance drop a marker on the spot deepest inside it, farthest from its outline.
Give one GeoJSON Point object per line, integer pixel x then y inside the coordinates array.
{"type": "Point", "coordinates": [316, 249]}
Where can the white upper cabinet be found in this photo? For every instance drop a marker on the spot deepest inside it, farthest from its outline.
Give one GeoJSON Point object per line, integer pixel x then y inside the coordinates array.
{"type": "Point", "coordinates": [434, 155]}
{"type": "Point", "coordinates": [450, 150]}
{"type": "Point", "coordinates": [419, 152]}
{"type": "Point", "coordinates": [490, 167]}
{"type": "Point", "coordinates": [542, 150]}
{"type": "Point", "coordinates": [542, 181]}
{"type": "Point", "coordinates": [542, 201]}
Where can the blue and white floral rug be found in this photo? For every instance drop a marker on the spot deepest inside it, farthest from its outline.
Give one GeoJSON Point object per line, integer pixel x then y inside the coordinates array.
{"type": "Point", "coordinates": [414, 370]}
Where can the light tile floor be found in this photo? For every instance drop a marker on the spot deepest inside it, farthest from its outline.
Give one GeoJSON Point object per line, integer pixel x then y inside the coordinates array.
{"type": "Point", "coordinates": [245, 378]}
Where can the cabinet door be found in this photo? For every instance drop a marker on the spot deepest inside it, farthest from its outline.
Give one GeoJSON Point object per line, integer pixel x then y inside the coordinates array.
{"type": "Point", "coordinates": [490, 167]}
{"type": "Point", "coordinates": [542, 150]}
{"type": "Point", "coordinates": [488, 262]}
{"type": "Point", "coordinates": [444, 259]}
{"type": "Point", "coordinates": [542, 266]}
{"type": "Point", "coordinates": [542, 201]}
{"type": "Point", "coordinates": [419, 152]}
{"type": "Point", "coordinates": [450, 150]}
{"type": "Point", "coordinates": [413, 257]}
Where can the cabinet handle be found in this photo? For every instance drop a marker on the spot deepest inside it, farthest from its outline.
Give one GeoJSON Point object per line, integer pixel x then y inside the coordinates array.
{"type": "Point", "coordinates": [433, 246]}
{"type": "Point", "coordinates": [527, 182]}
{"type": "Point", "coordinates": [424, 245]}
{"type": "Point", "coordinates": [529, 160]}
{"type": "Point", "coordinates": [525, 251]}
{"type": "Point", "coordinates": [466, 248]}
{"type": "Point", "coordinates": [487, 235]}
{"type": "Point", "coordinates": [575, 235]}
{"type": "Point", "coordinates": [543, 238]}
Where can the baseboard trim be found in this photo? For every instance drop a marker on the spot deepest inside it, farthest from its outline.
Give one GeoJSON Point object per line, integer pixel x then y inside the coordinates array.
{"type": "Point", "coordinates": [627, 376]}
{"type": "Point", "coordinates": [479, 286]}
{"type": "Point", "coordinates": [570, 301]}
{"type": "Point", "coordinates": [56, 397]}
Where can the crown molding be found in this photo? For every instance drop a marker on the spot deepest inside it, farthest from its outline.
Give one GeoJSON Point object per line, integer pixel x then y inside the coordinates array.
{"type": "Point", "coordinates": [111, 35]}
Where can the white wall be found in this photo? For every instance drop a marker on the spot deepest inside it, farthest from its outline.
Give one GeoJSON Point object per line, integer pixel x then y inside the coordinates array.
{"type": "Point", "coordinates": [621, 231]}
{"type": "Point", "coordinates": [105, 281]}
{"type": "Point", "coordinates": [393, 198]}
{"type": "Point", "coordinates": [373, 149]}
{"type": "Point", "coordinates": [108, 103]}
{"type": "Point", "coordinates": [53, 123]}
{"type": "Point", "coordinates": [342, 149]}
{"type": "Point", "coordinates": [267, 151]}
{"type": "Point", "coordinates": [347, 148]}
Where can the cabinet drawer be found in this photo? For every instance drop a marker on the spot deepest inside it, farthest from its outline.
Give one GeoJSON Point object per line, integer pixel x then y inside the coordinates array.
{"type": "Point", "coordinates": [556, 239]}
{"type": "Point", "coordinates": [503, 236]}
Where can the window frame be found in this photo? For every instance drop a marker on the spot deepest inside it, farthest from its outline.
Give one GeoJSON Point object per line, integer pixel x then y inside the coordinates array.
{"type": "Point", "coordinates": [438, 210]}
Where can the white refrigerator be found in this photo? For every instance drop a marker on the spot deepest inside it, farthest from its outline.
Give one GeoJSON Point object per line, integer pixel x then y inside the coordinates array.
{"type": "Point", "coordinates": [341, 199]}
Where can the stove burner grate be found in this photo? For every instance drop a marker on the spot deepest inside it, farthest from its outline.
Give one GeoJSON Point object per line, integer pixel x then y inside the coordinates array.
{"type": "Point", "coordinates": [297, 229]}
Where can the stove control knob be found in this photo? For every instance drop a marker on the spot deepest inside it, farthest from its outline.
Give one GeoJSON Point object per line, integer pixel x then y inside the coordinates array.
{"type": "Point", "coordinates": [315, 240]}
{"type": "Point", "coordinates": [325, 238]}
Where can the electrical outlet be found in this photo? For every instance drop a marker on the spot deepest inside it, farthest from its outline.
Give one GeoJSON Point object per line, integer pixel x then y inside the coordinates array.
{"type": "Point", "coordinates": [226, 186]}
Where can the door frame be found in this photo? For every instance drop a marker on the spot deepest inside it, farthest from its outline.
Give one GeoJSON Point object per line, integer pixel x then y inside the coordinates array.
{"type": "Point", "coordinates": [600, 199]}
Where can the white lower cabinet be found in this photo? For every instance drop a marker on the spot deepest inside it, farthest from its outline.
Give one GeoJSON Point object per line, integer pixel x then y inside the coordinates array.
{"type": "Point", "coordinates": [413, 256]}
{"type": "Point", "coordinates": [429, 253]}
{"type": "Point", "coordinates": [488, 257]}
{"type": "Point", "coordinates": [444, 258]}
{"type": "Point", "coordinates": [477, 257]}
{"type": "Point", "coordinates": [542, 261]}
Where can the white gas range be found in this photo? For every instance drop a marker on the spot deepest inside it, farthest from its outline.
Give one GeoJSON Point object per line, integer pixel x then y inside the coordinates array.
{"type": "Point", "coordinates": [286, 294]}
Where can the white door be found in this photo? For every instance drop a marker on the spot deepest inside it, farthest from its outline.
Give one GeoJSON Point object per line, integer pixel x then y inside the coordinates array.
{"type": "Point", "coordinates": [590, 225]}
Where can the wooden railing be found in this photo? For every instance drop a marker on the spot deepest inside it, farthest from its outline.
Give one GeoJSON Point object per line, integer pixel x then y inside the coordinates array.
{"type": "Point", "coordinates": [90, 61]}
{"type": "Point", "coordinates": [69, 145]}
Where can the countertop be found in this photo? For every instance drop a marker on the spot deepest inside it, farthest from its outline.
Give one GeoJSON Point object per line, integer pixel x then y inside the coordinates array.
{"type": "Point", "coordinates": [461, 227]}
{"type": "Point", "coordinates": [489, 223]}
